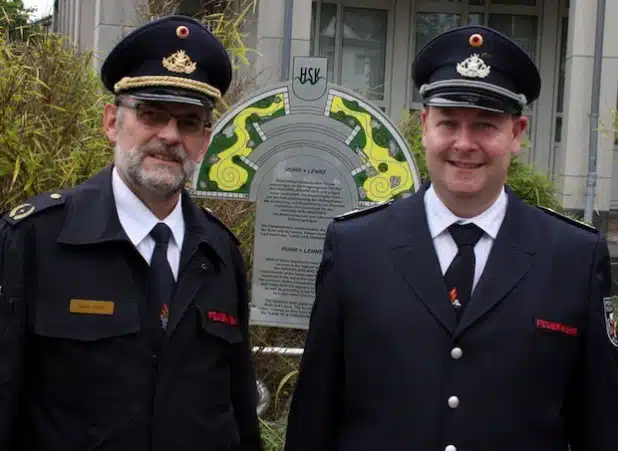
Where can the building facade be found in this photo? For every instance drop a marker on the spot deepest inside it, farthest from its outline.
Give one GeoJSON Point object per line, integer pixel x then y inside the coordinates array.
{"type": "Point", "coordinates": [370, 45]}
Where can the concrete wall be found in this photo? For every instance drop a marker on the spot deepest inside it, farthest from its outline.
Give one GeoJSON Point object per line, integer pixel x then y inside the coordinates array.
{"type": "Point", "coordinates": [114, 19]}
{"type": "Point", "coordinates": [86, 25]}
{"type": "Point", "coordinates": [97, 25]}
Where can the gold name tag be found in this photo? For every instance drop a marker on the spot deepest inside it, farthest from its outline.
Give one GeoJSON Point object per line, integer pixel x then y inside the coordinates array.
{"type": "Point", "coordinates": [91, 307]}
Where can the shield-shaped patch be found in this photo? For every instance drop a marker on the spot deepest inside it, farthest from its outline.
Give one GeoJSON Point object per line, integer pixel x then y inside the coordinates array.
{"type": "Point", "coordinates": [611, 321]}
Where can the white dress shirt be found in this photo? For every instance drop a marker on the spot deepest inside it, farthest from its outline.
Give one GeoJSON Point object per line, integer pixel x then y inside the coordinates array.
{"type": "Point", "coordinates": [138, 221]}
{"type": "Point", "coordinates": [440, 218]}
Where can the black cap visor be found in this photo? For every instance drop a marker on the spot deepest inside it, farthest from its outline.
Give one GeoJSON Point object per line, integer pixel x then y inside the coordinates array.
{"type": "Point", "coordinates": [471, 98]}
{"type": "Point", "coordinates": [171, 95]}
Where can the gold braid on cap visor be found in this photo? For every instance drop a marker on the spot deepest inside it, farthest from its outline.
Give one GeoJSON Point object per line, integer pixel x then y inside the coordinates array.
{"type": "Point", "coordinates": [167, 81]}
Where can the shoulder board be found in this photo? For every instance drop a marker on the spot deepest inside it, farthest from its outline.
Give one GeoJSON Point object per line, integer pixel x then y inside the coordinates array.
{"type": "Point", "coordinates": [568, 219]}
{"type": "Point", "coordinates": [211, 215]}
{"type": "Point", "coordinates": [33, 206]}
{"type": "Point", "coordinates": [363, 211]}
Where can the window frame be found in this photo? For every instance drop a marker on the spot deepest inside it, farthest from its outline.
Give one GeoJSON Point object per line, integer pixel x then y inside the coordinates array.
{"type": "Point", "coordinates": [563, 13]}
{"type": "Point", "coordinates": [389, 7]}
{"type": "Point", "coordinates": [559, 114]}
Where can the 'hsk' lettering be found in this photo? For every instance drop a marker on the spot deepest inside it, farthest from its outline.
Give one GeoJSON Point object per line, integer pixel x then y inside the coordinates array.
{"type": "Point", "coordinates": [309, 75]}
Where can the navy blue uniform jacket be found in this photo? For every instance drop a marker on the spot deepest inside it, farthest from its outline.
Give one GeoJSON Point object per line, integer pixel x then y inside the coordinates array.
{"type": "Point", "coordinates": [529, 367]}
{"type": "Point", "coordinates": [91, 378]}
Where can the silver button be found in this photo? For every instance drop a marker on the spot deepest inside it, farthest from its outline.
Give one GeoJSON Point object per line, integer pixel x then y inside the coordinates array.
{"type": "Point", "coordinates": [450, 448]}
{"type": "Point", "coordinates": [456, 353]}
{"type": "Point", "coordinates": [453, 402]}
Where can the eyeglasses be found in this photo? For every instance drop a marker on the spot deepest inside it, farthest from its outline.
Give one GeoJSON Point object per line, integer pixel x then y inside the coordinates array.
{"type": "Point", "coordinates": [151, 116]}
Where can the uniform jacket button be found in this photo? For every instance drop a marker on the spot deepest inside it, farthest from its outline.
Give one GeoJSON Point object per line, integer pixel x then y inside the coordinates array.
{"type": "Point", "coordinates": [450, 448]}
{"type": "Point", "coordinates": [453, 402]}
{"type": "Point", "coordinates": [456, 353]}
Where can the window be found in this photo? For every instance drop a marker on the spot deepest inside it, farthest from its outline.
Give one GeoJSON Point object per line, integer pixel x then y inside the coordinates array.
{"type": "Point", "coordinates": [199, 7]}
{"type": "Point", "coordinates": [521, 29]}
{"type": "Point", "coordinates": [518, 19]}
{"type": "Point", "coordinates": [323, 44]}
{"type": "Point", "coordinates": [354, 39]}
{"type": "Point", "coordinates": [429, 25]}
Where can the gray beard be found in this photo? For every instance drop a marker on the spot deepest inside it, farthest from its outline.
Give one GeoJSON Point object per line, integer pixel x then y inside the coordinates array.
{"type": "Point", "coordinates": [162, 182]}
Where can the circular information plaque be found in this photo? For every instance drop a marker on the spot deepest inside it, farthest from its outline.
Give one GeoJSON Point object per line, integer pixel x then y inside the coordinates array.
{"type": "Point", "coordinates": [304, 151]}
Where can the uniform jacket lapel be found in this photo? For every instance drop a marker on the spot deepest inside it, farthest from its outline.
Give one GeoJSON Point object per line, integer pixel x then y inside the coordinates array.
{"type": "Point", "coordinates": [509, 260]}
{"type": "Point", "coordinates": [200, 258]}
{"type": "Point", "coordinates": [92, 216]}
{"type": "Point", "coordinates": [416, 260]}
{"type": "Point", "coordinates": [91, 220]}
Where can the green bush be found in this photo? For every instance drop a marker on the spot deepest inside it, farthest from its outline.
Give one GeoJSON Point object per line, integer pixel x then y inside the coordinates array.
{"type": "Point", "coordinates": [273, 436]}
{"type": "Point", "coordinates": [50, 125]}
{"type": "Point", "coordinates": [17, 17]}
{"type": "Point", "coordinates": [529, 184]}
{"type": "Point", "coordinates": [52, 102]}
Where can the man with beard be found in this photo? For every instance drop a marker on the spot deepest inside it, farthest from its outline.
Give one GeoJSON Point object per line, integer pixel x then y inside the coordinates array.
{"type": "Point", "coordinates": [123, 305]}
{"type": "Point", "coordinates": [460, 318]}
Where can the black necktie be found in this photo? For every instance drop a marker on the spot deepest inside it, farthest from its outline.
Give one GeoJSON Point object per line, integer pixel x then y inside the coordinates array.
{"type": "Point", "coordinates": [161, 276]}
{"type": "Point", "coordinates": [460, 274]}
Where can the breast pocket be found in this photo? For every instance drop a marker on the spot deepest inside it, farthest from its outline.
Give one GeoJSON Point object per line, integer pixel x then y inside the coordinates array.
{"type": "Point", "coordinates": [90, 356]}
{"type": "Point", "coordinates": [86, 320]}
{"type": "Point", "coordinates": [219, 325]}
{"type": "Point", "coordinates": [556, 346]}
{"type": "Point", "coordinates": [209, 368]}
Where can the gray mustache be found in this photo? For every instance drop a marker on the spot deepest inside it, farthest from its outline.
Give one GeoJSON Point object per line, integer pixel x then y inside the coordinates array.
{"type": "Point", "coordinates": [158, 148]}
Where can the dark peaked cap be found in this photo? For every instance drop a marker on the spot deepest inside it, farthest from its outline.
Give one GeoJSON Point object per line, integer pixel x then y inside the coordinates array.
{"type": "Point", "coordinates": [476, 67]}
{"type": "Point", "coordinates": [174, 59]}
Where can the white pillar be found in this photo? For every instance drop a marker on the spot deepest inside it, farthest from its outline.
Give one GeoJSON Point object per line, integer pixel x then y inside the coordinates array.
{"type": "Point", "coordinates": [76, 23]}
{"type": "Point", "coordinates": [401, 81]}
{"type": "Point", "coordinates": [573, 168]}
{"type": "Point", "coordinates": [269, 39]}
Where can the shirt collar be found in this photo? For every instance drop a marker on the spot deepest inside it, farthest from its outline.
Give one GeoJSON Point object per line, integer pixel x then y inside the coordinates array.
{"type": "Point", "coordinates": [136, 218]}
{"type": "Point", "coordinates": [440, 218]}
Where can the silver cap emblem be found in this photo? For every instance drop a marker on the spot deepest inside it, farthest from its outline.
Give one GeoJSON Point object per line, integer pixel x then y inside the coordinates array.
{"type": "Point", "coordinates": [473, 67]}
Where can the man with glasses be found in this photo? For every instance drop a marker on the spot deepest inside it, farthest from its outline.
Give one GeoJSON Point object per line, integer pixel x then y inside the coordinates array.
{"type": "Point", "coordinates": [123, 305]}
